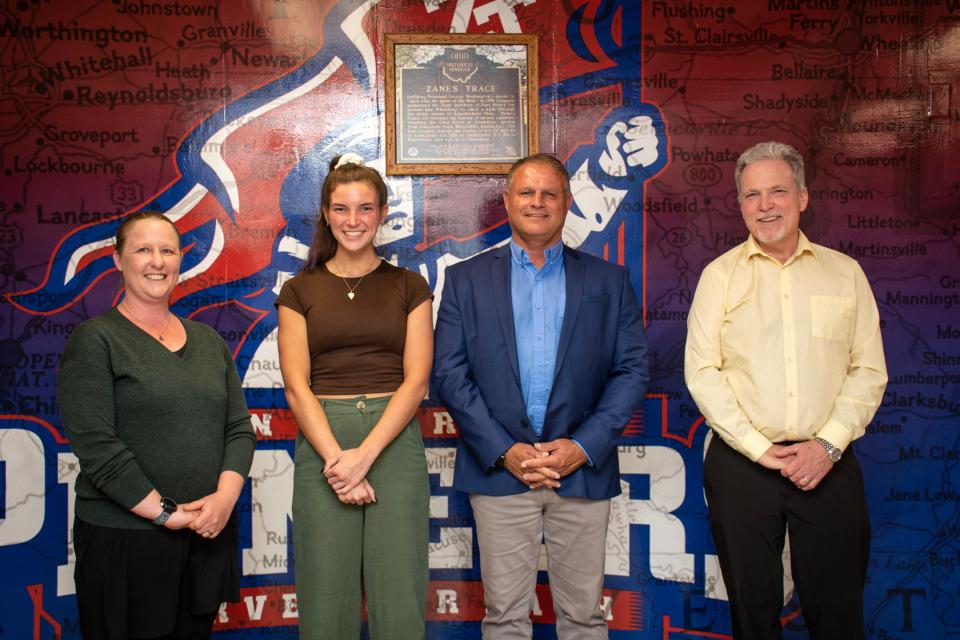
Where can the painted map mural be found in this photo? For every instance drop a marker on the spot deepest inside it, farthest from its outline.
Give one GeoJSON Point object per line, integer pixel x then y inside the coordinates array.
{"type": "Point", "coordinates": [225, 114]}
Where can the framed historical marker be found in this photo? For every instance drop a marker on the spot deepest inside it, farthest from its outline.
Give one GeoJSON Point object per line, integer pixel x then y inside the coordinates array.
{"type": "Point", "coordinates": [460, 103]}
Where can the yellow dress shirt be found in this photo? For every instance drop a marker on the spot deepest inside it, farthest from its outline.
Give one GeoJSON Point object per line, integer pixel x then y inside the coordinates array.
{"type": "Point", "coordinates": [784, 352]}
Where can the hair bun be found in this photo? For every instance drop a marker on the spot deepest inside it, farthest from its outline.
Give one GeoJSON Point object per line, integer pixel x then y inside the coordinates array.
{"type": "Point", "coordinates": [349, 158]}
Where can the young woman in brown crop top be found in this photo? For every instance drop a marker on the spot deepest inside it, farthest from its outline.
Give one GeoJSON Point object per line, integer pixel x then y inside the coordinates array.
{"type": "Point", "coordinates": [356, 344]}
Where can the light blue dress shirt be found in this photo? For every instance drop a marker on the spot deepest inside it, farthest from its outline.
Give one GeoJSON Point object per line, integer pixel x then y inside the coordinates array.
{"type": "Point", "coordinates": [538, 297]}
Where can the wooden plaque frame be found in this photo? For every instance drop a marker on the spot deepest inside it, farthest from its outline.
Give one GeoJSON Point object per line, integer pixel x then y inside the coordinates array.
{"type": "Point", "coordinates": [529, 100]}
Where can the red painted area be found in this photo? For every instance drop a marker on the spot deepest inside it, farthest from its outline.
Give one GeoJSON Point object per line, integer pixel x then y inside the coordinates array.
{"type": "Point", "coordinates": [678, 633]}
{"type": "Point", "coordinates": [57, 436]}
{"type": "Point", "coordinates": [637, 424]}
{"type": "Point", "coordinates": [460, 601]}
{"type": "Point", "coordinates": [274, 424]}
{"type": "Point", "coordinates": [260, 607]}
{"type": "Point", "coordinates": [279, 424]}
{"type": "Point", "coordinates": [40, 615]}
{"type": "Point", "coordinates": [671, 632]}
{"type": "Point", "coordinates": [686, 440]}
{"type": "Point", "coordinates": [435, 422]}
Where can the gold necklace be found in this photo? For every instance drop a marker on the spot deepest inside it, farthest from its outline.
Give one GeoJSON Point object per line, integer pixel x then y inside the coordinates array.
{"type": "Point", "coordinates": [350, 290]}
{"type": "Point", "coordinates": [143, 324]}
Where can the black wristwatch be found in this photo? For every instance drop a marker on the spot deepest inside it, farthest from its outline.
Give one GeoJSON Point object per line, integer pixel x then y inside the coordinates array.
{"type": "Point", "coordinates": [502, 460]}
{"type": "Point", "coordinates": [169, 508]}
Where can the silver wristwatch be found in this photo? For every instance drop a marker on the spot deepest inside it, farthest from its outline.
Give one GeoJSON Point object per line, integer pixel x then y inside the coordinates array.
{"type": "Point", "coordinates": [832, 451]}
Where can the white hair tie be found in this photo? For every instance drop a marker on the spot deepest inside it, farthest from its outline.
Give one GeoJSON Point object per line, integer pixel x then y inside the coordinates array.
{"type": "Point", "coordinates": [349, 158]}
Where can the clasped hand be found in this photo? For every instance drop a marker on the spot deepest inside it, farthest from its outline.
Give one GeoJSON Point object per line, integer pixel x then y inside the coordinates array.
{"type": "Point", "coordinates": [361, 494]}
{"type": "Point", "coordinates": [347, 470]}
{"type": "Point", "coordinates": [543, 464]}
{"type": "Point", "coordinates": [805, 464]}
{"type": "Point", "coordinates": [208, 515]}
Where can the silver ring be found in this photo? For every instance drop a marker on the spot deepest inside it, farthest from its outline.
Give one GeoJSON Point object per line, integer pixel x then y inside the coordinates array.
{"type": "Point", "coordinates": [803, 480]}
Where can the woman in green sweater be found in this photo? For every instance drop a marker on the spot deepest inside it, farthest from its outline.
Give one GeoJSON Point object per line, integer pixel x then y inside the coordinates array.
{"type": "Point", "coordinates": [154, 411]}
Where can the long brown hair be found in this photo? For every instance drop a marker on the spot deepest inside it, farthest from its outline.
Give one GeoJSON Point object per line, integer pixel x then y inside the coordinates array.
{"type": "Point", "coordinates": [324, 245]}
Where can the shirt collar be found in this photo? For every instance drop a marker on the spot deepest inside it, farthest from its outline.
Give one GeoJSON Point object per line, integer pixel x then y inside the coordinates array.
{"type": "Point", "coordinates": [804, 245]}
{"type": "Point", "coordinates": [551, 254]}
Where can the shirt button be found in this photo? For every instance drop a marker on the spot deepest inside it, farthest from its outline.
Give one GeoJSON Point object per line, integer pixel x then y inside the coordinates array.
{"type": "Point", "coordinates": [539, 369]}
{"type": "Point", "coordinates": [539, 306]}
{"type": "Point", "coordinates": [539, 337]}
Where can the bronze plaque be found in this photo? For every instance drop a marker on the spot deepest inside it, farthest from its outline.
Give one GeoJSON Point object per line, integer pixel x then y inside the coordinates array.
{"type": "Point", "coordinates": [457, 106]}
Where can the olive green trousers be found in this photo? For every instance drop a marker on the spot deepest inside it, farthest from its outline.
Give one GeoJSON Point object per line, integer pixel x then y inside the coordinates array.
{"type": "Point", "coordinates": [382, 545]}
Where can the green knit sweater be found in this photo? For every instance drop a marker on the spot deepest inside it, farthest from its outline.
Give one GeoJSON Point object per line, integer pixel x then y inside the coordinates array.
{"type": "Point", "coordinates": [140, 417]}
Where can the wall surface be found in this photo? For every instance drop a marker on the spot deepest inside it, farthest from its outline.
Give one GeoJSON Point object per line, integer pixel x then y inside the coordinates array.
{"type": "Point", "coordinates": [224, 115]}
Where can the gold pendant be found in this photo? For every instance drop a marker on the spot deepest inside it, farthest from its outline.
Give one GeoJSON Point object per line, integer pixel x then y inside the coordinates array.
{"type": "Point", "coordinates": [350, 295]}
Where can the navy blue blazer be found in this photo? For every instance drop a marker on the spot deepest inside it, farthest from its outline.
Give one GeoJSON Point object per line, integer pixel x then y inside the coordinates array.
{"type": "Point", "coordinates": [600, 377]}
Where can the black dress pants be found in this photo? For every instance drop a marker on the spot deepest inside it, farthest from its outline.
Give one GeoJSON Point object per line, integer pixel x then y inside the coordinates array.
{"type": "Point", "coordinates": [751, 509]}
{"type": "Point", "coordinates": [137, 584]}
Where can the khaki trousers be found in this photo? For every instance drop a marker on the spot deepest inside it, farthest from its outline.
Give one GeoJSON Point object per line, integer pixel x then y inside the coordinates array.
{"type": "Point", "coordinates": [509, 532]}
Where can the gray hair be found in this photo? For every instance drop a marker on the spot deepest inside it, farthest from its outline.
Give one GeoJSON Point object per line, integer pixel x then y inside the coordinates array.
{"type": "Point", "coordinates": [771, 151]}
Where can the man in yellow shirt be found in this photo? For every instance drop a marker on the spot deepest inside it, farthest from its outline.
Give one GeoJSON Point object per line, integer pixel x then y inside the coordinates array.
{"type": "Point", "coordinates": [785, 361]}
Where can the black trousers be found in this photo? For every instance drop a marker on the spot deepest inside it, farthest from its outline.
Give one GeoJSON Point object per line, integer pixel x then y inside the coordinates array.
{"type": "Point", "coordinates": [751, 509]}
{"type": "Point", "coordinates": [152, 583]}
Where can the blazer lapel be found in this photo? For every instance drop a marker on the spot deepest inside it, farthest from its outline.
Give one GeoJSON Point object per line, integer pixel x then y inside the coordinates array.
{"type": "Point", "coordinates": [574, 273]}
{"type": "Point", "coordinates": [503, 301]}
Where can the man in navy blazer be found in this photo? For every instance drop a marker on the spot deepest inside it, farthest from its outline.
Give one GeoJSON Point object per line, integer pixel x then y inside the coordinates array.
{"type": "Point", "coordinates": [541, 360]}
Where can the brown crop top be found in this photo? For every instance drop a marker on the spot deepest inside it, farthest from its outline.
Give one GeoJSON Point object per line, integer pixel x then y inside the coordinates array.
{"type": "Point", "coordinates": [356, 346]}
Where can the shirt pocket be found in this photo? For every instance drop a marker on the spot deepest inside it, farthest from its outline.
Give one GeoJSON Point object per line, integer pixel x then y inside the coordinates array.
{"type": "Point", "coordinates": [831, 317]}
